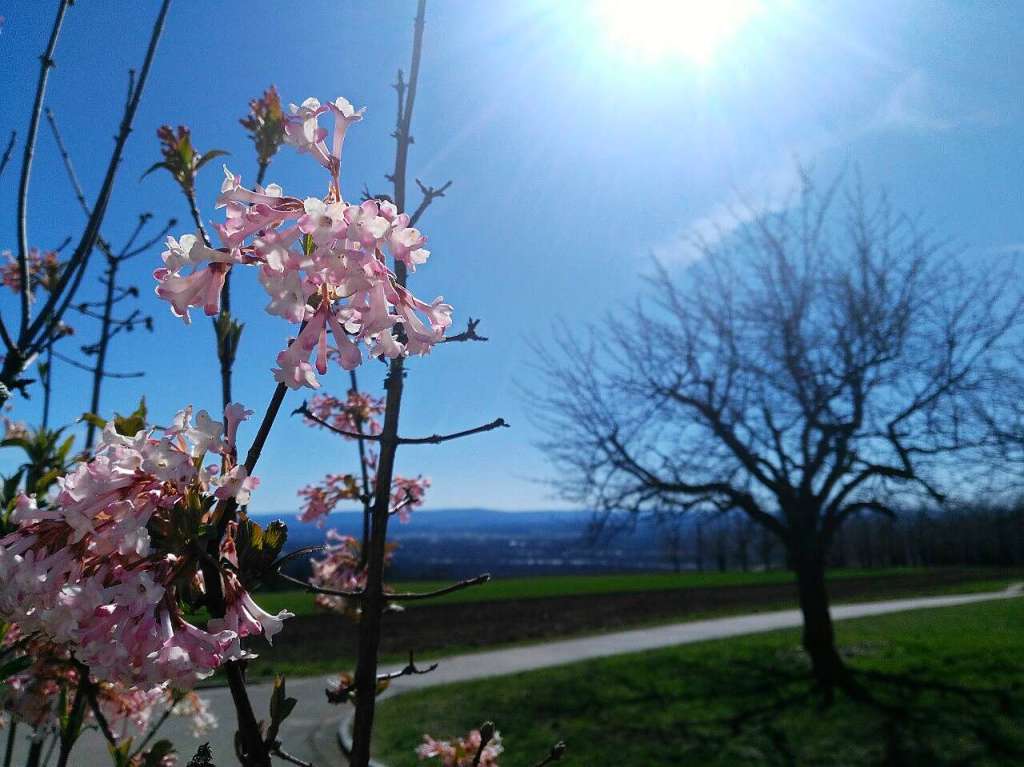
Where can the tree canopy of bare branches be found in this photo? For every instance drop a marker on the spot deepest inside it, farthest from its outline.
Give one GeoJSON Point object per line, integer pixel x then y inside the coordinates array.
{"type": "Point", "coordinates": [818, 361]}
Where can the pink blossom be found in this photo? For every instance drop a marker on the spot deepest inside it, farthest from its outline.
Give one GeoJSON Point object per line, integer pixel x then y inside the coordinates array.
{"type": "Point", "coordinates": [462, 751]}
{"type": "Point", "coordinates": [234, 414]}
{"type": "Point", "coordinates": [237, 484]}
{"type": "Point", "coordinates": [321, 261]}
{"type": "Point", "coordinates": [200, 288]}
{"type": "Point", "coordinates": [86, 576]}
{"type": "Point", "coordinates": [407, 494]}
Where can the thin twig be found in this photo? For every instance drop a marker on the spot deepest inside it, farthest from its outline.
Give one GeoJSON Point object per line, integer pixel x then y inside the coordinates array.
{"type": "Point", "coordinates": [296, 554]}
{"type": "Point", "coordinates": [125, 254]}
{"type": "Point", "coordinates": [69, 168]}
{"type": "Point", "coordinates": [412, 596]}
{"type": "Point", "coordinates": [469, 334]}
{"type": "Point", "coordinates": [313, 589]}
{"type": "Point", "coordinates": [73, 727]}
{"type": "Point", "coordinates": [434, 439]}
{"type": "Point", "coordinates": [94, 704]}
{"type": "Point", "coordinates": [430, 193]}
{"type": "Point", "coordinates": [556, 753]}
{"type": "Point", "coordinates": [46, 63]}
{"type": "Point", "coordinates": [9, 752]}
{"type": "Point", "coordinates": [276, 751]}
{"type": "Point", "coordinates": [155, 728]}
{"type": "Point", "coordinates": [410, 669]}
{"type": "Point", "coordinates": [256, 449]}
{"type": "Point", "coordinates": [343, 694]}
{"type": "Point", "coordinates": [51, 313]}
{"type": "Point", "coordinates": [7, 152]}
{"type": "Point", "coordinates": [87, 368]}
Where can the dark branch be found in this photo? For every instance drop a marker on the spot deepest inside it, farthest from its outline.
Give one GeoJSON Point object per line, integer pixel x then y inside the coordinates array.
{"type": "Point", "coordinates": [415, 596]}
{"type": "Point", "coordinates": [557, 752]}
{"type": "Point", "coordinates": [469, 334]}
{"type": "Point", "coordinates": [7, 152]}
{"type": "Point", "coordinates": [46, 63]}
{"type": "Point", "coordinates": [64, 292]}
{"type": "Point", "coordinates": [429, 193]}
{"type": "Point", "coordinates": [87, 368]}
{"type": "Point", "coordinates": [434, 439]}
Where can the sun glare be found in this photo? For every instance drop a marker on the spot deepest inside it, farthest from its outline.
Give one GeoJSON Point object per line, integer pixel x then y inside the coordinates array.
{"type": "Point", "coordinates": [658, 29]}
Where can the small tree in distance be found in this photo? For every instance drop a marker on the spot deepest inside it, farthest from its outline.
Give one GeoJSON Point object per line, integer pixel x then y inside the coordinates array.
{"type": "Point", "coordinates": [815, 363]}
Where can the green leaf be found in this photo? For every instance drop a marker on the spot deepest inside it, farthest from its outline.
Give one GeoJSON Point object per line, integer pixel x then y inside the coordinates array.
{"type": "Point", "coordinates": [207, 156]}
{"type": "Point", "coordinates": [21, 442]}
{"type": "Point", "coordinates": [154, 166]}
{"type": "Point", "coordinates": [44, 482]}
{"type": "Point", "coordinates": [157, 752]}
{"type": "Point", "coordinates": [130, 425]}
{"type": "Point", "coordinates": [121, 753]}
{"type": "Point", "coordinates": [281, 707]}
{"type": "Point", "coordinates": [65, 447]}
{"type": "Point", "coordinates": [14, 666]}
{"type": "Point", "coordinates": [94, 419]}
{"type": "Point", "coordinates": [11, 483]}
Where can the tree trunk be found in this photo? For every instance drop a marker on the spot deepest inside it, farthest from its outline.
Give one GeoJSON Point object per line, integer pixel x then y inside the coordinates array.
{"type": "Point", "coordinates": [818, 636]}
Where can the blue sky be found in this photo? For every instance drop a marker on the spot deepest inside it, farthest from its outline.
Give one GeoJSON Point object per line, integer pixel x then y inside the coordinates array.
{"type": "Point", "coordinates": [574, 157]}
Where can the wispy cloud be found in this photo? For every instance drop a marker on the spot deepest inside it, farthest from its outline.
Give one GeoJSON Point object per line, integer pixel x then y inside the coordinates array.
{"type": "Point", "coordinates": [916, 103]}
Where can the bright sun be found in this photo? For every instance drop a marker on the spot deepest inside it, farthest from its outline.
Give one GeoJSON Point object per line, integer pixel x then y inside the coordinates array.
{"type": "Point", "coordinates": [659, 29]}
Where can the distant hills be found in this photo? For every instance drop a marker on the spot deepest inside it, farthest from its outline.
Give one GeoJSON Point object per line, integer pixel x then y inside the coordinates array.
{"type": "Point", "coordinates": [459, 543]}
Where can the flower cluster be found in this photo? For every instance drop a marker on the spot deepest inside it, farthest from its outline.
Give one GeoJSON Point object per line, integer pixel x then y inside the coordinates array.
{"type": "Point", "coordinates": [105, 571]}
{"type": "Point", "coordinates": [462, 751]}
{"type": "Point", "coordinates": [356, 414]}
{"type": "Point", "coordinates": [320, 260]}
{"type": "Point", "coordinates": [340, 568]}
{"type": "Point", "coordinates": [44, 270]}
{"type": "Point", "coordinates": [321, 498]}
{"type": "Point", "coordinates": [33, 695]}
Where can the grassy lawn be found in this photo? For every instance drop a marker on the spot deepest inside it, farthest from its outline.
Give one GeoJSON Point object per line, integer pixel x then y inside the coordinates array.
{"type": "Point", "coordinates": [502, 589]}
{"type": "Point", "coordinates": [320, 644]}
{"type": "Point", "coordinates": [748, 701]}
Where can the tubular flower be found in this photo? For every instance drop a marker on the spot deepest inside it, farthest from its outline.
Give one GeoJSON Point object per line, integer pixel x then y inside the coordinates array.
{"type": "Point", "coordinates": [340, 567]}
{"type": "Point", "coordinates": [44, 270]}
{"type": "Point", "coordinates": [358, 412]}
{"type": "Point", "coordinates": [103, 573]}
{"type": "Point", "coordinates": [32, 696]}
{"type": "Point", "coordinates": [322, 262]}
{"type": "Point", "coordinates": [462, 751]}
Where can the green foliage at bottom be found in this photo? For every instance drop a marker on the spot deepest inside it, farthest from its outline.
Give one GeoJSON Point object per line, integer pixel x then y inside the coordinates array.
{"type": "Point", "coordinates": [946, 687]}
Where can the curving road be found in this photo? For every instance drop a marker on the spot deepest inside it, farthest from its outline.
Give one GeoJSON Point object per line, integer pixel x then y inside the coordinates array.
{"type": "Point", "coordinates": [311, 733]}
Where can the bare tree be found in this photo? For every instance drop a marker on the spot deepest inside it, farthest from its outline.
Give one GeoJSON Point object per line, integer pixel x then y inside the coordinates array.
{"type": "Point", "coordinates": [816, 362]}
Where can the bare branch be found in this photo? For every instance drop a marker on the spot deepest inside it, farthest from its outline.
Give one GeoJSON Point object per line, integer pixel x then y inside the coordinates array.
{"type": "Point", "coordinates": [90, 369]}
{"type": "Point", "coordinates": [277, 751]}
{"type": "Point", "coordinates": [7, 152]}
{"type": "Point", "coordinates": [46, 63]}
{"type": "Point", "coordinates": [469, 334]}
{"type": "Point", "coordinates": [429, 193]}
{"type": "Point", "coordinates": [416, 596]}
{"type": "Point", "coordinates": [557, 752]}
{"type": "Point", "coordinates": [64, 292]}
{"type": "Point", "coordinates": [256, 449]}
{"type": "Point", "coordinates": [434, 439]}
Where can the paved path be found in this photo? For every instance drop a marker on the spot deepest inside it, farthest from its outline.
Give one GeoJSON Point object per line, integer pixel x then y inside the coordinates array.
{"type": "Point", "coordinates": [312, 730]}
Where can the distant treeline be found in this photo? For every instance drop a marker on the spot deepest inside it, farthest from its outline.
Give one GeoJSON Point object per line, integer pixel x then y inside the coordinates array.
{"type": "Point", "coordinates": [981, 536]}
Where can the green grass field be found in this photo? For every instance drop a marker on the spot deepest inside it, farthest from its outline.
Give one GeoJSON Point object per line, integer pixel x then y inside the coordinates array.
{"type": "Point", "coordinates": [501, 589]}
{"type": "Point", "coordinates": [748, 701]}
{"type": "Point", "coordinates": [295, 657]}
